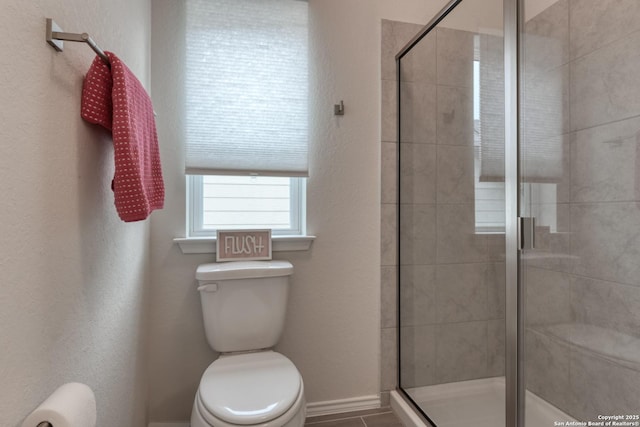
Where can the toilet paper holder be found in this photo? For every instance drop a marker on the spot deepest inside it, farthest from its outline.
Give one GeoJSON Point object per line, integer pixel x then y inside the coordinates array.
{"type": "Point", "coordinates": [70, 405]}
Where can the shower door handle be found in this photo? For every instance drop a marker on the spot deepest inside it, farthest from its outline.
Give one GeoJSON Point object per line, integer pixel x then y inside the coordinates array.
{"type": "Point", "coordinates": [526, 233]}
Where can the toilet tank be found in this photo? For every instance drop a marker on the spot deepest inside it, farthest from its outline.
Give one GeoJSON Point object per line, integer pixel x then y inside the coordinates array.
{"type": "Point", "coordinates": [244, 303]}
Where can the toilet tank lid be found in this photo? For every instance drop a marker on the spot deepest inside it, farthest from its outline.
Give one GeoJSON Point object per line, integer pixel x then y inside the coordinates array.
{"type": "Point", "coordinates": [243, 270]}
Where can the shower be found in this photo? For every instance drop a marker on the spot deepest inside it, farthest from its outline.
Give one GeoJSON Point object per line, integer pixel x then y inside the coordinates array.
{"type": "Point", "coordinates": [518, 214]}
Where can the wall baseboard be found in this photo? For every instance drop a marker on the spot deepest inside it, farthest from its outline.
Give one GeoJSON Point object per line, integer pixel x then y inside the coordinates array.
{"type": "Point", "coordinates": [315, 409]}
{"type": "Point", "coordinates": [343, 405]}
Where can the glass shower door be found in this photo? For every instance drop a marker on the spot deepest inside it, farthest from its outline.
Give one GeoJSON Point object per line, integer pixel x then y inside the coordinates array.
{"type": "Point", "coordinates": [580, 180]}
{"type": "Point", "coordinates": [451, 214]}
{"type": "Point", "coordinates": [569, 147]}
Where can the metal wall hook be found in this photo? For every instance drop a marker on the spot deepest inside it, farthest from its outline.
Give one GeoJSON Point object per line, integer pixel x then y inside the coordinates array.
{"type": "Point", "coordinates": [338, 109]}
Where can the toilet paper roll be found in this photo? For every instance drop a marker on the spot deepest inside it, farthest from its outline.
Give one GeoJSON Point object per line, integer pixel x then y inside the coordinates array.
{"type": "Point", "coordinates": [71, 405]}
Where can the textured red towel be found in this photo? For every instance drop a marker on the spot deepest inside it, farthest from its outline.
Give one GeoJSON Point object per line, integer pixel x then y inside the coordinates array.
{"type": "Point", "coordinates": [116, 100]}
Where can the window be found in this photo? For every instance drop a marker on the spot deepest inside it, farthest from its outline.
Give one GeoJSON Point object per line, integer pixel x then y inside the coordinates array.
{"type": "Point", "coordinates": [246, 90]}
{"type": "Point", "coordinates": [219, 202]}
{"type": "Point", "coordinates": [489, 194]}
{"type": "Point", "coordinates": [541, 140]}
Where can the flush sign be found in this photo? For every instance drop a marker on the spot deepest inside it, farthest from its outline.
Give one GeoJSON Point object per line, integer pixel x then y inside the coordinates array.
{"type": "Point", "coordinates": [243, 245]}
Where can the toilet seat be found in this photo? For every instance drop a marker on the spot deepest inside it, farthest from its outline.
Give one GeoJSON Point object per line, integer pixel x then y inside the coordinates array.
{"type": "Point", "coordinates": [249, 389]}
{"type": "Point", "coordinates": [294, 417]}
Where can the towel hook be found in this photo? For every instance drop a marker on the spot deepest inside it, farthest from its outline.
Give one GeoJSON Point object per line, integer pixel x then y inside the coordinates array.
{"type": "Point", "coordinates": [55, 37]}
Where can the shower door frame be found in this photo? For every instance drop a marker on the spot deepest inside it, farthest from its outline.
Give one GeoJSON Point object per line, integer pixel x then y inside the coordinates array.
{"type": "Point", "coordinates": [514, 298]}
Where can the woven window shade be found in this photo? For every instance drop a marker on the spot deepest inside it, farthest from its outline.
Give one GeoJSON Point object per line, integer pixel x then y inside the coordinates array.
{"type": "Point", "coordinates": [542, 123]}
{"type": "Point", "coordinates": [246, 87]}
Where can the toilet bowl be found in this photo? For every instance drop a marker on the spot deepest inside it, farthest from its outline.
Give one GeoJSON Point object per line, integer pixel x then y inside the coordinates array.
{"type": "Point", "coordinates": [243, 306]}
{"type": "Point", "coordinates": [262, 388]}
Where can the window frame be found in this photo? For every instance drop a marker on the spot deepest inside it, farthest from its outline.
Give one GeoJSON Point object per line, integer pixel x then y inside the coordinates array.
{"type": "Point", "coordinates": [195, 197]}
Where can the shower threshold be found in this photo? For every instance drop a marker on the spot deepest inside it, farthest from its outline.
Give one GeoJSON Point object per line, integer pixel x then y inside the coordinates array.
{"type": "Point", "coordinates": [478, 403]}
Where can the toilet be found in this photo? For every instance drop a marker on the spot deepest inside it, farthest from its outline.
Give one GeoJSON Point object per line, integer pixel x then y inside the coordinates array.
{"type": "Point", "coordinates": [243, 306]}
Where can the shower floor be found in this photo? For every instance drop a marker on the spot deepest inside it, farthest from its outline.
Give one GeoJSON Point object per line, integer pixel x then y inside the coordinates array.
{"type": "Point", "coordinates": [478, 403]}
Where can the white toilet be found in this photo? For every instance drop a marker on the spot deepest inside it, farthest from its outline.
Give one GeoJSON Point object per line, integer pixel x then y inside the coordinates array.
{"type": "Point", "coordinates": [244, 305]}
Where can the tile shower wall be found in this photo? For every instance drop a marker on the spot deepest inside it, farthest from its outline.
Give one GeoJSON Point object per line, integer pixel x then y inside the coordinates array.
{"type": "Point", "coordinates": [583, 281]}
{"type": "Point", "coordinates": [394, 36]}
{"type": "Point", "coordinates": [452, 295]}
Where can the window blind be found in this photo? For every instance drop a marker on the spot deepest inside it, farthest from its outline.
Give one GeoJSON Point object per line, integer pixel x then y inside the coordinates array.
{"type": "Point", "coordinates": [542, 121]}
{"type": "Point", "coordinates": [246, 87]}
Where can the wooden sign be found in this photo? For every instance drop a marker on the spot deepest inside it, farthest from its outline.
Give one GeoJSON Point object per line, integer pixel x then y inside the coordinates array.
{"type": "Point", "coordinates": [243, 245]}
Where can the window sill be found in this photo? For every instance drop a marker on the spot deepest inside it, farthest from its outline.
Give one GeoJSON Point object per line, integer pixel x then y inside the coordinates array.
{"type": "Point", "coordinates": [207, 245]}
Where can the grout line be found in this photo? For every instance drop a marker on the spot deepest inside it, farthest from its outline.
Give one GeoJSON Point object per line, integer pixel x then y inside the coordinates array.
{"type": "Point", "coordinates": [329, 421]}
{"type": "Point", "coordinates": [373, 415]}
{"type": "Point", "coordinates": [318, 423]}
{"type": "Point", "coordinates": [348, 417]}
{"type": "Point", "coordinates": [377, 413]}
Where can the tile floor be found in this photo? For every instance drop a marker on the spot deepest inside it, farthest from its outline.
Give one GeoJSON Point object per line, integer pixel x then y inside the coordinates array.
{"type": "Point", "coordinates": [382, 417]}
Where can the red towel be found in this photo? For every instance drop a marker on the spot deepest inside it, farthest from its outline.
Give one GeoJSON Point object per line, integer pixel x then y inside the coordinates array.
{"type": "Point", "coordinates": [115, 99]}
